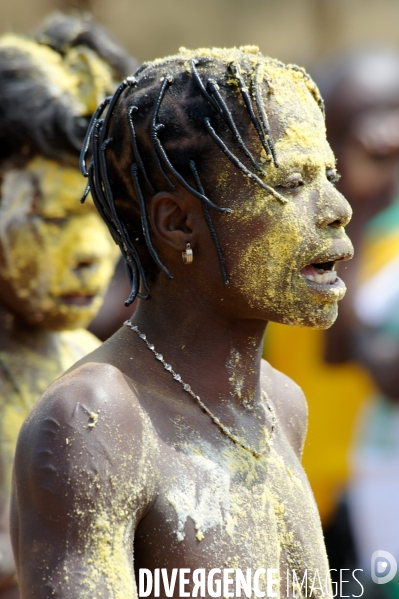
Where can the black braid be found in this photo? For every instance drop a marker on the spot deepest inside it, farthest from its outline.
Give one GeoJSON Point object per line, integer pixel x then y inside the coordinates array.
{"type": "Point", "coordinates": [264, 136]}
{"type": "Point", "coordinates": [214, 89]}
{"type": "Point", "coordinates": [172, 120]}
{"type": "Point", "coordinates": [87, 139]}
{"type": "Point", "coordinates": [155, 128]}
{"type": "Point", "coordinates": [209, 222]}
{"type": "Point", "coordinates": [127, 246]}
{"type": "Point", "coordinates": [136, 152]}
{"type": "Point", "coordinates": [269, 145]}
{"type": "Point", "coordinates": [239, 164]}
{"type": "Point", "coordinates": [201, 87]}
{"type": "Point", "coordinates": [144, 222]}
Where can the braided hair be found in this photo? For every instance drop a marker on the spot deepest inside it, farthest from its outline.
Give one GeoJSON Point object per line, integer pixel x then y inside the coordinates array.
{"type": "Point", "coordinates": [164, 125]}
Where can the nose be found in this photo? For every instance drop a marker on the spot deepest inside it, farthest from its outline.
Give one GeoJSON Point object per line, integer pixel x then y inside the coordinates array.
{"type": "Point", "coordinates": [335, 211]}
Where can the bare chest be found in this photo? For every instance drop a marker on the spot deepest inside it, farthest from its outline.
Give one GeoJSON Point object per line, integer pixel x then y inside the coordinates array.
{"type": "Point", "coordinates": [233, 511]}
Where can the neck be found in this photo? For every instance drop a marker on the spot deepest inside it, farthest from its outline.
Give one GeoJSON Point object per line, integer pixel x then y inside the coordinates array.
{"type": "Point", "coordinates": [15, 333]}
{"type": "Point", "coordinates": [220, 358]}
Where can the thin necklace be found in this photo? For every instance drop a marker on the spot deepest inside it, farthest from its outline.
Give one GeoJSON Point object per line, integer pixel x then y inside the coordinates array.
{"type": "Point", "coordinates": [187, 388]}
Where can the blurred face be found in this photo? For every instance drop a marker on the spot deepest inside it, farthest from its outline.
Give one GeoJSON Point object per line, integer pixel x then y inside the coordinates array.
{"type": "Point", "coordinates": [56, 255]}
{"type": "Point", "coordinates": [281, 254]}
{"type": "Point", "coordinates": [370, 160]}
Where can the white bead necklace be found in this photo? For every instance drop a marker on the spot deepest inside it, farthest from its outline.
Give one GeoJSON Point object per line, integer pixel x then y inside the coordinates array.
{"type": "Point", "coordinates": [197, 398]}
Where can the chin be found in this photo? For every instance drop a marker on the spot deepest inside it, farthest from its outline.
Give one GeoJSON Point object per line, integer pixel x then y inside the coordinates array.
{"type": "Point", "coordinates": [75, 317]}
{"type": "Point", "coordinates": [61, 316]}
{"type": "Point", "coordinates": [317, 317]}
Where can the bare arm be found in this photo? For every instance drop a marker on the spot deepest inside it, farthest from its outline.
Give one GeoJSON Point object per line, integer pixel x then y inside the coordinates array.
{"type": "Point", "coordinates": [83, 480]}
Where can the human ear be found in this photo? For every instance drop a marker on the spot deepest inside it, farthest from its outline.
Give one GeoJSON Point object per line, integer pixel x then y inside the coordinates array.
{"type": "Point", "coordinates": [172, 219]}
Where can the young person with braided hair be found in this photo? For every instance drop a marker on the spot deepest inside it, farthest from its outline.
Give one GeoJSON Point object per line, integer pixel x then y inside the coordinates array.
{"type": "Point", "coordinates": [174, 445]}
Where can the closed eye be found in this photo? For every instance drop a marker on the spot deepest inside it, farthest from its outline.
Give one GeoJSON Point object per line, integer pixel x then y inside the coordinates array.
{"type": "Point", "coordinates": [58, 221]}
{"type": "Point", "coordinates": [291, 184]}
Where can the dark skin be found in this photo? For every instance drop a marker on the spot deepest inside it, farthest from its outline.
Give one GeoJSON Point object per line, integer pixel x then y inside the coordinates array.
{"type": "Point", "coordinates": [116, 455]}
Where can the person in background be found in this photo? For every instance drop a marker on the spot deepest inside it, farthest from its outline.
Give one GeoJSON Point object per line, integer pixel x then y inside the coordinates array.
{"type": "Point", "coordinates": [56, 257]}
{"type": "Point", "coordinates": [363, 120]}
{"type": "Point", "coordinates": [367, 517]}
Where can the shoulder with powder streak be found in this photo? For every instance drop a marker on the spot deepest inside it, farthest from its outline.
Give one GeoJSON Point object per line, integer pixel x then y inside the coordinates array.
{"type": "Point", "coordinates": [88, 435]}
{"type": "Point", "coordinates": [290, 404]}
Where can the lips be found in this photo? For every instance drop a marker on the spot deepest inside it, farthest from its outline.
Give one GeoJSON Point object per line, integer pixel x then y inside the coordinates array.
{"type": "Point", "coordinates": [320, 276]}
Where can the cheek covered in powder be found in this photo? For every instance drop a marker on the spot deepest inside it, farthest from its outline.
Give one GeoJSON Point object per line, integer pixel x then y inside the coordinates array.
{"type": "Point", "coordinates": [268, 268]}
{"type": "Point", "coordinates": [56, 254]}
{"type": "Point", "coordinates": [271, 241]}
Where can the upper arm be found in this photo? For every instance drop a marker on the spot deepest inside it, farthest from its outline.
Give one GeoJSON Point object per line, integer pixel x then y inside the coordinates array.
{"type": "Point", "coordinates": [290, 403]}
{"type": "Point", "coordinates": [82, 482]}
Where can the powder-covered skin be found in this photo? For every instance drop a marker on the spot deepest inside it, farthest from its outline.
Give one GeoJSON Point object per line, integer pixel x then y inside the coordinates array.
{"type": "Point", "coordinates": [56, 261]}
{"type": "Point", "coordinates": [40, 215]}
{"type": "Point", "coordinates": [56, 256]}
{"type": "Point", "coordinates": [126, 472]}
{"type": "Point", "coordinates": [291, 239]}
{"type": "Point", "coordinates": [45, 237]}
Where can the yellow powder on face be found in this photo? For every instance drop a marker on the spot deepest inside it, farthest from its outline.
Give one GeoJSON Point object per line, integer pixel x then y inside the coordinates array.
{"type": "Point", "coordinates": [283, 237]}
{"type": "Point", "coordinates": [45, 239]}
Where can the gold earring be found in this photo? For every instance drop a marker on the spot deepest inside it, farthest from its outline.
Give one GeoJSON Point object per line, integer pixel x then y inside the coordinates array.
{"type": "Point", "coordinates": [187, 255]}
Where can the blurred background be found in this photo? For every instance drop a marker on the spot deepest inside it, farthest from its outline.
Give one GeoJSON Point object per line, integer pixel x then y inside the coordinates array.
{"type": "Point", "coordinates": [350, 374]}
{"type": "Point", "coordinates": [299, 31]}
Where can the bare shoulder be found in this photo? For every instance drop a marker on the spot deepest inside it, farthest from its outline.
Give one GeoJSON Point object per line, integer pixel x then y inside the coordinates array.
{"type": "Point", "coordinates": [85, 437]}
{"type": "Point", "coordinates": [85, 475]}
{"type": "Point", "coordinates": [89, 388]}
{"type": "Point", "coordinates": [290, 404]}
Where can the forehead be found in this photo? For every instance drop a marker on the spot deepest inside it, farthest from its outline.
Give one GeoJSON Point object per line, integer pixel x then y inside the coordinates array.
{"type": "Point", "coordinates": [43, 187]}
{"type": "Point", "coordinates": [296, 120]}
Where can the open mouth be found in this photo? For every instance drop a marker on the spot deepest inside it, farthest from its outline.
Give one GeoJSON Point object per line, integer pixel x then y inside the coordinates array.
{"type": "Point", "coordinates": [77, 299]}
{"type": "Point", "coordinates": [322, 272]}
